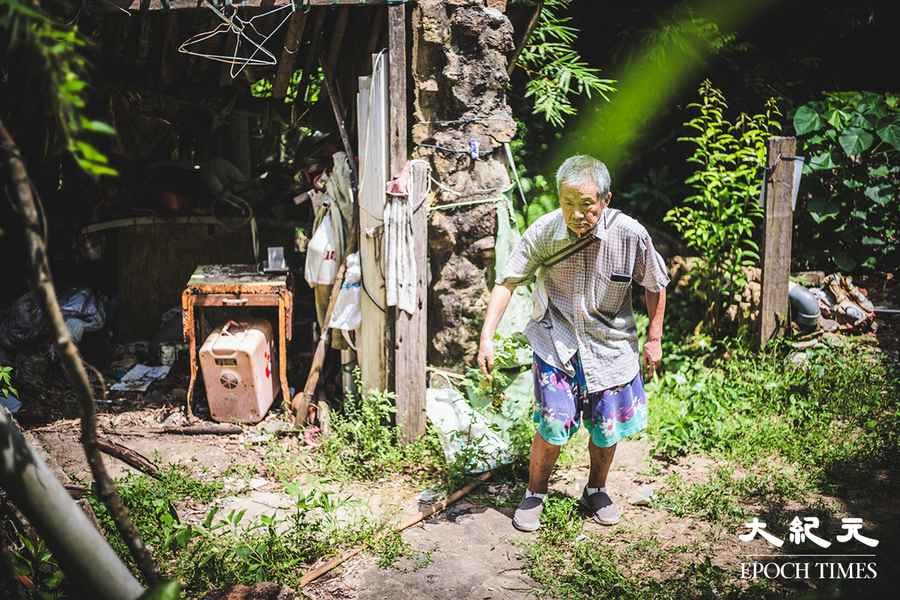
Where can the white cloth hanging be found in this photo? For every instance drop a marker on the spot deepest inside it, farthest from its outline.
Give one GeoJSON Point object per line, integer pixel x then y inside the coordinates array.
{"type": "Point", "coordinates": [400, 274]}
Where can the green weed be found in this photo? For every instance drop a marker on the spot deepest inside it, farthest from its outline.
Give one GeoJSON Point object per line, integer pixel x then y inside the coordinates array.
{"type": "Point", "coordinates": [390, 547]}
{"type": "Point", "coordinates": [151, 506]}
{"type": "Point", "coordinates": [364, 444]}
{"type": "Point", "coordinates": [592, 568]}
{"type": "Point", "coordinates": [840, 407]}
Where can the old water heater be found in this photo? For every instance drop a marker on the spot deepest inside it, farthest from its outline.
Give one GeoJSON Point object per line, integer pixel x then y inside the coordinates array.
{"type": "Point", "coordinates": [237, 363]}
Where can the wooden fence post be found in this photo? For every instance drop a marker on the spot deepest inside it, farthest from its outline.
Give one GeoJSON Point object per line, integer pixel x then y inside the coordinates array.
{"type": "Point", "coordinates": [776, 247]}
{"type": "Point", "coordinates": [410, 335]}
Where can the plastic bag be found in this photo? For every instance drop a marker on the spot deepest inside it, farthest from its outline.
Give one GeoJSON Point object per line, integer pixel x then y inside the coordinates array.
{"type": "Point", "coordinates": [488, 435]}
{"type": "Point", "coordinates": [460, 427]}
{"type": "Point", "coordinates": [346, 314]}
{"type": "Point", "coordinates": [321, 263]}
{"type": "Point", "coordinates": [24, 322]}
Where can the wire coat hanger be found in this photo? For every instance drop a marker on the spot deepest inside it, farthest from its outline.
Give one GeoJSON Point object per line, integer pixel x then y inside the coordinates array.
{"type": "Point", "coordinates": [240, 27]}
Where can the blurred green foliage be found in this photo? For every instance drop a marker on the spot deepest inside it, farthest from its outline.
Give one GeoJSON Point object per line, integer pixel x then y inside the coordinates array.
{"type": "Point", "coordinates": [851, 184]}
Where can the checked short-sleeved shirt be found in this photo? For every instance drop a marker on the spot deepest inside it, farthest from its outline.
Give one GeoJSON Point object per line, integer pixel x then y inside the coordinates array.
{"type": "Point", "coordinates": [588, 312]}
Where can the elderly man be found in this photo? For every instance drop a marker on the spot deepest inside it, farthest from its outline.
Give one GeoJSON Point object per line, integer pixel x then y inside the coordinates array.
{"type": "Point", "coordinates": [583, 334]}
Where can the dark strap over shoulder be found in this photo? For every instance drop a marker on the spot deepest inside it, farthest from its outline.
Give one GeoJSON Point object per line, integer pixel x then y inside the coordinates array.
{"type": "Point", "coordinates": [609, 217]}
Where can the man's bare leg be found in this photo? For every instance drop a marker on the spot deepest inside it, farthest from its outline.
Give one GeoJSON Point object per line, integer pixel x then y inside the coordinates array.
{"type": "Point", "coordinates": [543, 457]}
{"type": "Point", "coordinates": [601, 460]}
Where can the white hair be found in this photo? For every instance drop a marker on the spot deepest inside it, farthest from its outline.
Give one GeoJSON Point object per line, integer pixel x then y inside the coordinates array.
{"type": "Point", "coordinates": [581, 169]}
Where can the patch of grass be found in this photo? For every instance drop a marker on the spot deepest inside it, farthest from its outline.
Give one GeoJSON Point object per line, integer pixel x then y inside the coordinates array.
{"type": "Point", "coordinates": [590, 567]}
{"type": "Point", "coordinates": [225, 551]}
{"type": "Point", "coordinates": [151, 505]}
{"type": "Point", "coordinates": [840, 406]}
{"type": "Point", "coordinates": [390, 547]}
{"type": "Point", "coordinates": [365, 445]}
{"type": "Point", "coordinates": [561, 520]}
{"type": "Point", "coordinates": [285, 461]}
{"type": "Point", "coordinates": [241, 471]}
{"type": "Point", "coordinates": [724, 498]}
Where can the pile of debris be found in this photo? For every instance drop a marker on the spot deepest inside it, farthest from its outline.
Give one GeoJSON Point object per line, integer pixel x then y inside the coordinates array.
{"type": "Point", "coordinates": [818, 302]}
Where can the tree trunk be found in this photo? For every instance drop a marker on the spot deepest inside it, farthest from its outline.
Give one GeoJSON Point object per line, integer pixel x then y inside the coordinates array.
{"type": "Point", "coordinates": [460, 73]}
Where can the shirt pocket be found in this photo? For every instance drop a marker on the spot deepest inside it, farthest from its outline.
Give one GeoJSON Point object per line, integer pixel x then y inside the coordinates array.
{"type": "Point", "coordinates": [610, 295]}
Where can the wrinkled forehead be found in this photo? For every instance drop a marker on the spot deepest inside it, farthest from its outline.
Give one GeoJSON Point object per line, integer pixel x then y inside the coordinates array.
{"type": "Point", "coordinates": [578, 190]}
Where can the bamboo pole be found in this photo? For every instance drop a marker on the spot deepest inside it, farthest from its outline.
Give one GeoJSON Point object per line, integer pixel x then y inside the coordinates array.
{"type": "Point", "coordinates": [83, 553]}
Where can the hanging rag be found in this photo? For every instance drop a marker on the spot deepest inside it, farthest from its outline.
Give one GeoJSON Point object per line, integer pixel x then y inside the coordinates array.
{"type": "Point", "coordinates": [400, 273]}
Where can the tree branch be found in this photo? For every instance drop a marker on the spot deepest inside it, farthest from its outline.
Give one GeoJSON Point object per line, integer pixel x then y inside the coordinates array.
{"type": "Point", "coordinates": [42, 286]}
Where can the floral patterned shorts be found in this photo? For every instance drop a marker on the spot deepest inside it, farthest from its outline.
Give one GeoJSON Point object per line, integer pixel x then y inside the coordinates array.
{"type": "Point", "coordinates": [609, 415]}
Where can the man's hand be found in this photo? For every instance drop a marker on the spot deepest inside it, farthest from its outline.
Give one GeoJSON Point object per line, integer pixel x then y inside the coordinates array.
{"type": "Point", "coordinates": [486, 356]}
{"type": "Point", "coordinates": [652, 356]}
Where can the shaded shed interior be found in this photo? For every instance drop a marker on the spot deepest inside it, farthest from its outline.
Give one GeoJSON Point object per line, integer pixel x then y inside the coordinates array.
{"type": "Point", "coordinates": [186, 131]}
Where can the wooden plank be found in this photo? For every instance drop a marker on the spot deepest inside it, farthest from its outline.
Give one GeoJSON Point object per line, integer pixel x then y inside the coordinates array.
{"type": "Point", "coordinates": [410, 335]}
{"type": "Point", "coordinates": [372, 345]}
{"type": "Point", "coordinates": [411, 330]}
{"type": "Point", "coordinates": [337, 38]}
{"type": "Point", "coordinates": [291, 46]}
{"type": "Point", "coordinates": [778, 224]}
{"type": "Point", "coordinates": [362, 117]}
{"type": "Point", "coordinates": [191, 4]}
{"type": "Point", "coordinates": [397, 86]}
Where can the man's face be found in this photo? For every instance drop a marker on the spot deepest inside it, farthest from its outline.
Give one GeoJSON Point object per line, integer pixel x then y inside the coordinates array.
{"type": "Point", "coordinates": [581, 206]}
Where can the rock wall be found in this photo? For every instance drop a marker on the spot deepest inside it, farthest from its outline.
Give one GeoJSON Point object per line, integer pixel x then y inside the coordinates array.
{"type": "Point", "coordinates": [459, 63]}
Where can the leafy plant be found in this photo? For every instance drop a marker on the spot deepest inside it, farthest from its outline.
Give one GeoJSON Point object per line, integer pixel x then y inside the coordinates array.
{"type": "Point", "coordinates": [59, 49]}
{"type": "Point", "coordinates": [556, 72]}
{"type": "Point", "coordinates": [851, 180]}
{"type": "Point", "coordinates": [152, 506]}
{"type": "Point", "coordinates": [262, 88]}
{"type": "Point", "coordinates": [6, 386]}
{"type": "Point", "coordinates": [718, 220]}
{"type": "Point", "coordinates": [510, 354]}
{"type": "Point", "coordinates": [365, 444]}
{"type": "Point", "coordinates": [225, 551]}
{"type": "Point", "coordinates": [34, 566]}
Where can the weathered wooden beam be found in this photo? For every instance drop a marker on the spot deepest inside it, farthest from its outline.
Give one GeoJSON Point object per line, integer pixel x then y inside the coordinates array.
{"type": "Point", "coordinates": [410, 335]}
{"type": "Point", "coordinates": [373, 138]}
{"type": "Point", "coordinates": [292, 40]}
{"type": "Point", "coordinates": [411, 330]}
{"type": "Point", "coordinates": [188, 4]}
{"type": "Point", "coordinates": [778, 225]}
{"type": "Point", "coordinates": [337, 39]}
{"type": "Point", "coordinates": [397, 86]}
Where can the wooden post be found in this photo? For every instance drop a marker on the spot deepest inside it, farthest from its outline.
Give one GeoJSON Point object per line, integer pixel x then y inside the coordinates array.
{"type": "Point", "coordinates": [410, 335]}
{"type": "Point", "coordinates": [778, 224]}
{"type": "Point", "coordinates": [373, 143]}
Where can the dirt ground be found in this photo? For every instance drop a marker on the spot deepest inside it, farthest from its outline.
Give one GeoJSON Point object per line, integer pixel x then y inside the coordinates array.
{"type": "Point", "coordinates": [473, 550]}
